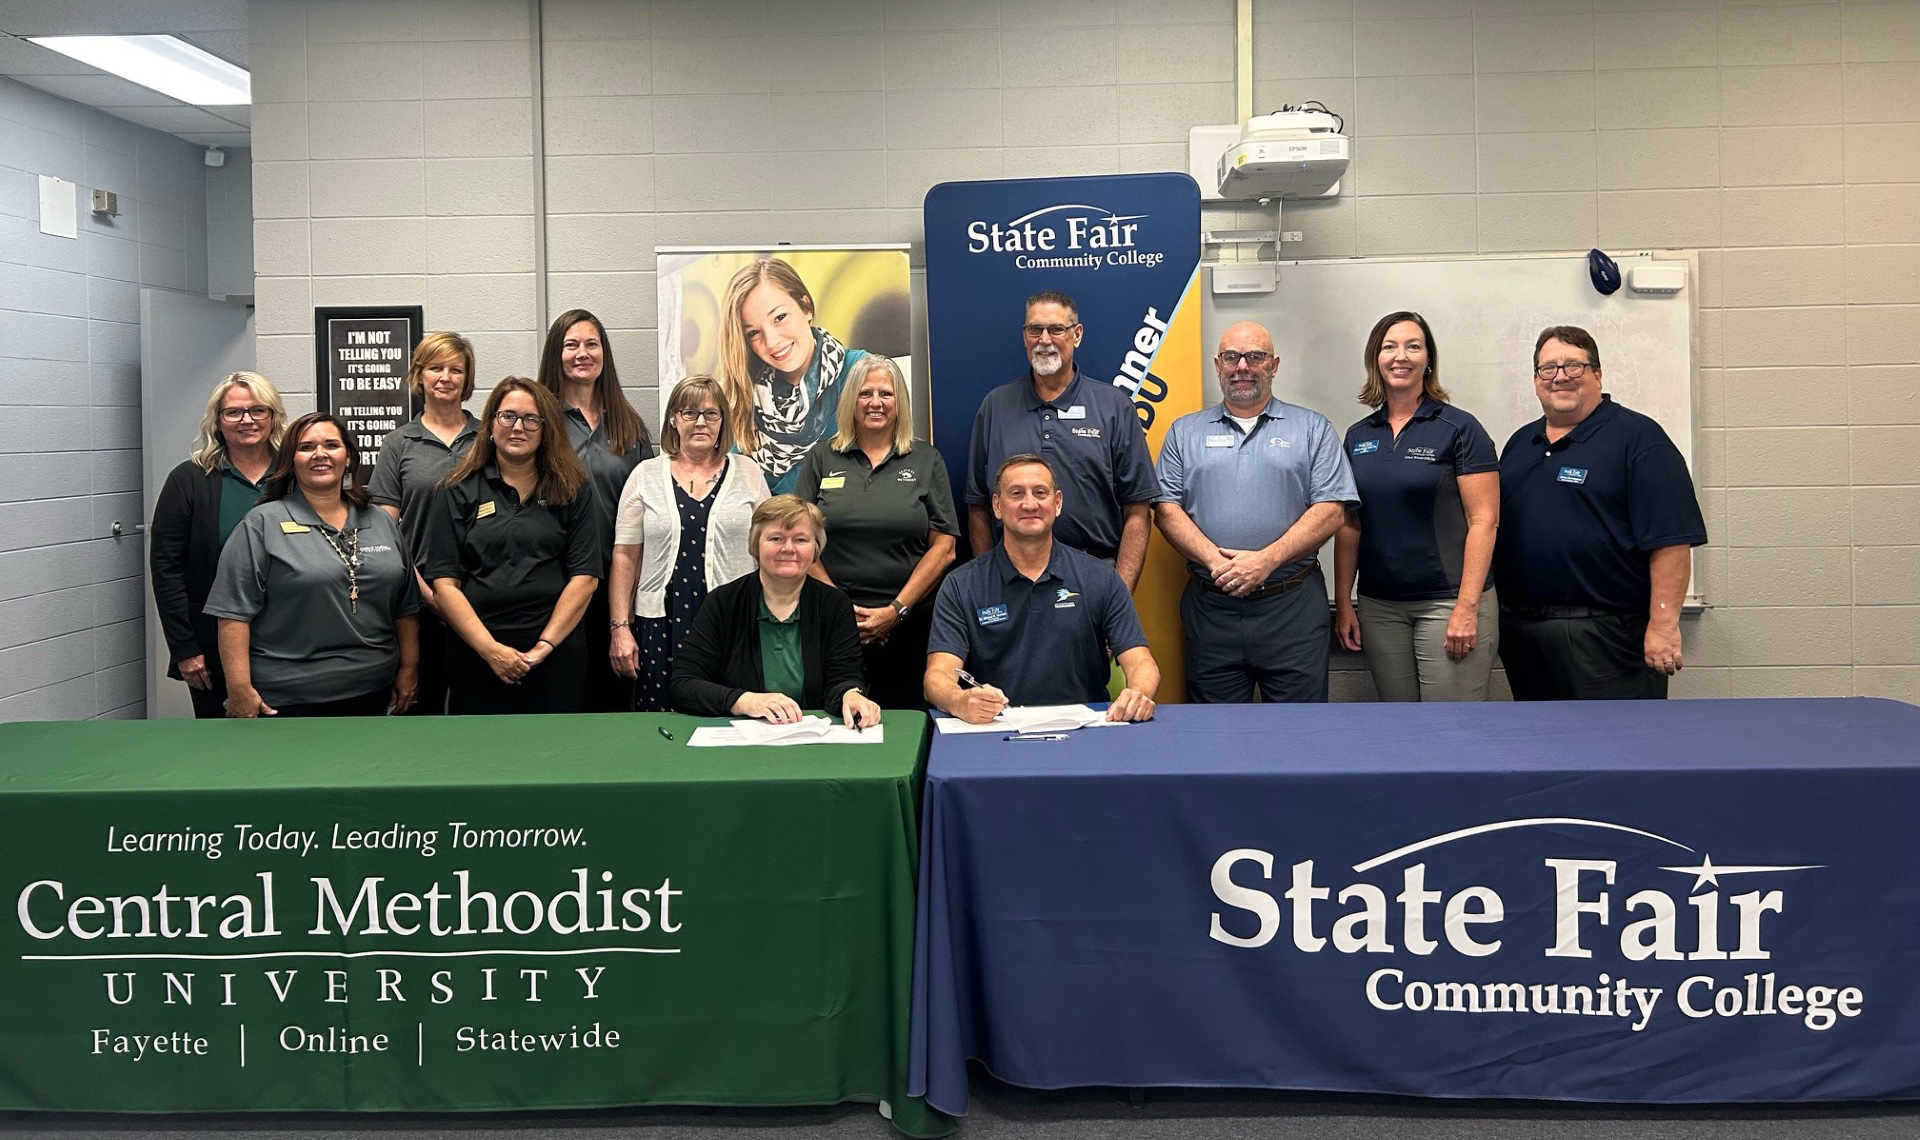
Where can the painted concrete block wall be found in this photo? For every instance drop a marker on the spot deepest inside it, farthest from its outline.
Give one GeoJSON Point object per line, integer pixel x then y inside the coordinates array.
{"type": "Point", "coordinates": [394, 163]}
{"type": "Point", "coordinates": [71, 598]}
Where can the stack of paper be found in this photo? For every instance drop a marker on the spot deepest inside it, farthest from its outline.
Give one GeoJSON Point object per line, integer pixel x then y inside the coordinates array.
{"type": "Point", "coordinates": [1033, 718]}
{"type": "Point", "coordinates": [812, 729]}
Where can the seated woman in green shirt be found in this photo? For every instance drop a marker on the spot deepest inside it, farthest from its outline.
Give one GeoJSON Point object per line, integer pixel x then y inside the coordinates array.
{"type": "Point", "coordinates": [777, 641]}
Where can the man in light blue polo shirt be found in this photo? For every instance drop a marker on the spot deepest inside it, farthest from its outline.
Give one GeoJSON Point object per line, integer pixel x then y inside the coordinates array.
{"type": "Point", "coordinates": [1250, 490]}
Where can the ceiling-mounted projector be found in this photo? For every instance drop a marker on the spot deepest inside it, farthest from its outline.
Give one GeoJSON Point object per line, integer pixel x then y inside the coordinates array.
{"type": "Point", "coordinates": [1293, 153]}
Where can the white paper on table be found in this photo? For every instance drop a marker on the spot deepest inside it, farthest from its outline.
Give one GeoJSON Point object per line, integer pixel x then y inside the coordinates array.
{"type": "Point", "coordinates": [812, 729]}
{"type": "Point", "coordinates": [1033, 718]}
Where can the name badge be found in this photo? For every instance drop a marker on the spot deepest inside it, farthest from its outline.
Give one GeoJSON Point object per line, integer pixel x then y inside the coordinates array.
{"type": "Point", "coordinates": [992, 615]}
{"type": "Point", "coordinates": [291, 527]}
{"type": "Point", "coordinates": [833, 482]}
{"type": "Point", "coordinates": [1077, 412]}
{"type": "Point", "coordinates": [1219, 441]}
{"type": "Point", "coordinates": [1366, 447]}
{"type": "Point", "coordinates": [486, 508]}
{"type": "Point", "coordinates": [1573, 475]}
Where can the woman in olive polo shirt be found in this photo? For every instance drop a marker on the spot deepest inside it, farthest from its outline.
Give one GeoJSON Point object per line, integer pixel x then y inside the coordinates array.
{"type": "Point", "coordinates": [315, 597]}
{"type": "Point", "coordinates": [514, 551]}
{"type": "Point", "coordinates": [778, 641]}
{"type": "Point", "coordinates": [890, 511]}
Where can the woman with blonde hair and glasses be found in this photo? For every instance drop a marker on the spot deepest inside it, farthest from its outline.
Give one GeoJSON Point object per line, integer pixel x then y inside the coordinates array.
{"type": "Point", "coordinates": [680, 532]}
{"type": "Point", "coordinates": [889, 509]}
{"type": "Point", "coordinates": [201, 503]}
{"type": "Point", "coordinates": [514, 551]}
{"type": "Point", "coordinates": [414, 460]}
{"type": "Point", "coordinates": [782, 374]}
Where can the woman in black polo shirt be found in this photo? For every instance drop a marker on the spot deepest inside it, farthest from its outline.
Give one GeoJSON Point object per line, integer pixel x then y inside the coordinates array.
{"type": "Point", "coordinates": [315, 597]}
{"type": "Point", "coordinates": [514, 551]}
{"type": "Point", "coordinates": [414, 460]}
{"type": "Point", "coordinates": [776, 642]}
{"type": "Point", "coordinates": [890, 511]}
{"type": "Point", "coordinates": [1422, 539]}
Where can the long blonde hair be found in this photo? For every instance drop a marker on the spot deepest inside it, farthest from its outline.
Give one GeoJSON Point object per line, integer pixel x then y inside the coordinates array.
{"type": "Point", "coordinates": [210, 447]}
{"type": "Point", "coordinates": [843, 430]}
{"type": "Point", "coordinates": [736, 359]}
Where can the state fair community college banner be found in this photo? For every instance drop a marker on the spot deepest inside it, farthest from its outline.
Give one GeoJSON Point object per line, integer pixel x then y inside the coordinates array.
{"type": "Point", "coordinates": [1126, 247]}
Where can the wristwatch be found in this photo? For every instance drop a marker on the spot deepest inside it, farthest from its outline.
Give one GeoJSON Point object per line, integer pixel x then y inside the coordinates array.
{"type": "Point", "coordinates": [900, 608]}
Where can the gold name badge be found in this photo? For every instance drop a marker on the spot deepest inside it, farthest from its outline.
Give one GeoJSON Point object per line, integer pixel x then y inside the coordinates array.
{"type": "Point", "coordinates": [486, 509]}
{"type": "Point", "coordinates": [833, 483]}
{"type": "Point", "coordinates": [291, 527]}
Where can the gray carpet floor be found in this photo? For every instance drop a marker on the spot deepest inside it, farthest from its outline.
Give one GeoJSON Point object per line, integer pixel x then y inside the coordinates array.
{"type": "Point", "coordinates": [1002, 1111]}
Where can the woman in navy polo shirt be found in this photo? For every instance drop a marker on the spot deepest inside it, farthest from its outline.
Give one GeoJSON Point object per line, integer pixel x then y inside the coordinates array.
{"type": "Point", "coordinates": [1422, 539]}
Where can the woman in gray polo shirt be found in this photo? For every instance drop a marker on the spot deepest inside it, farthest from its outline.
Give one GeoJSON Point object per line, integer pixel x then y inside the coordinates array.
{"type": "Point", "coordinates": [315, 594]}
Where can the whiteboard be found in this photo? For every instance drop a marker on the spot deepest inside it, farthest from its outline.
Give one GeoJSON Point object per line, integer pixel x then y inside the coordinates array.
{"type": "Point", "coordinates": [1485, 313]}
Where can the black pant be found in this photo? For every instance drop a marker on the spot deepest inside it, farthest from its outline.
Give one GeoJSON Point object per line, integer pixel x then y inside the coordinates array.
{"type": "Point", "coordinates": [553, 686]}
{"type": "Point", "coordinates": [896, 672]}
{"type": "Point", "coordinates": [366, 704]}
{"type": "Point", "coordinates": [1276, 645]}
{"type": "Point", "coordinates": [210, 703]}
{"type": "Point", "coordinates": [606, 690]}
{"type": "Point", "coordinates": [1577, 653]}
{"type": "Point", "coordinates": [430, 696]}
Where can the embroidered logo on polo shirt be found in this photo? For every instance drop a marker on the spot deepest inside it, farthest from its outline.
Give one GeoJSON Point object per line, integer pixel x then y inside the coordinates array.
{"type": "Point", "coordinates": [907, 476]}
{"type": "Point", "coordinates": [1425, 454]}
{"type": "Point", "coordinates": [1063, 599]}
{"type": "Point", "coordinates": [1279, 441]}
{"type": "Point", "coordinates": [992, 615]}
{"type": "Point", "coordinates": [1573, 475]}
{"type": "Point", "coordinates": [1366, 447]}
{"type": "Point", "coordinates": [1087, 432]}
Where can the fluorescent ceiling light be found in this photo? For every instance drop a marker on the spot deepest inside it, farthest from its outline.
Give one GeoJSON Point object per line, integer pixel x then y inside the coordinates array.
{"type": "Point", "coordinates": [168, 64]}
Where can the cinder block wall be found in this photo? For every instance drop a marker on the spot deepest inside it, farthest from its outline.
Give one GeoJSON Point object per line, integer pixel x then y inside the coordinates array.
{"type": "Point", "coordinates": [71, 598]}
{"type": "Point", "coordinates": [394, 162]}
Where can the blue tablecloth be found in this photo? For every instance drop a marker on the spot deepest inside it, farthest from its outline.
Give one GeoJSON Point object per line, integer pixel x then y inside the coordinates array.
{"type": "Point", "coordinates": [1636, 901]}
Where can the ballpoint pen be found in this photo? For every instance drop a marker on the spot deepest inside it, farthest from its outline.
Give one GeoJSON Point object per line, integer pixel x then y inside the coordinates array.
{"type": "Point", "coordinates": [663, 731]}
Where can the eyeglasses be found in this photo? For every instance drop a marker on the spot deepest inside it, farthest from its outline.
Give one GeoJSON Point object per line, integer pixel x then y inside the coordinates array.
{"type": "Point", "coordinates": [527, 420]}
{"type": "Point", "coordinates": [1035, 332]}
{"type": "Point", "coordinates": [1574, 370]}
{"type": "Point", "coordinates": [703, 416]}
{"type": "Point", "coordinates": [256, 412]}
{"type": "Point", "coordinates": [1253, 359]}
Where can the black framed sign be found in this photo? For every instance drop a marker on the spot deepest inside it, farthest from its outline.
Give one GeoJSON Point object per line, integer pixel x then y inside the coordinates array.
{"type": "Point", "coordinates": [361, 370]}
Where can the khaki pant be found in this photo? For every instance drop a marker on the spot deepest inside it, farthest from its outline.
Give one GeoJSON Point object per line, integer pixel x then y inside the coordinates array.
{"type": "Point", "coordinates": [1406, 648]}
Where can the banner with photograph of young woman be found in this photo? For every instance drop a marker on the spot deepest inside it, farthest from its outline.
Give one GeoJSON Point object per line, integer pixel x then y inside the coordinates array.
{"type": "Point", "coordinates": [780, 327]}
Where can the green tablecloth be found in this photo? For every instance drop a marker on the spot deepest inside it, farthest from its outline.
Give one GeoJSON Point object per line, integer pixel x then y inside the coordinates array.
{"type": "Point", "coordinates": [453, 914]}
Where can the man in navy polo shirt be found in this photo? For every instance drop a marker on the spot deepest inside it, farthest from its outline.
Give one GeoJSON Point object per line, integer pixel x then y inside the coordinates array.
{"type": "Point", "coordinates": [1087, 432]}
{"type": "Point", "coordinates": [1597, 522]}
{"type": "Point", "coordinates": [1250, 489]}
{"type": "Point", "coordinates": [1034, 620]}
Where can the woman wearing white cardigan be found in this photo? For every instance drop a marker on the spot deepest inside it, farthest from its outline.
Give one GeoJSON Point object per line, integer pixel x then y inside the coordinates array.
{"type": "Point", "coordinates": [681, 529]}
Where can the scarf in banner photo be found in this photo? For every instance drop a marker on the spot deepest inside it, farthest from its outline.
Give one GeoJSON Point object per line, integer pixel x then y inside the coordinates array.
{"type": "Point", "coordinates": [791, 418]}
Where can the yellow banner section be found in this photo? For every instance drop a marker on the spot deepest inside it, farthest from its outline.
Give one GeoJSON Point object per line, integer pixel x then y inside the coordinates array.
{"type": "Point", "coordinates": [1177, 365]}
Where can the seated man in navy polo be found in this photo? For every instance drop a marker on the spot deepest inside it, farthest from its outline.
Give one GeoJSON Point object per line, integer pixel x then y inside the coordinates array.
{"type": "Point", "coordinates": [1597, 525]}
{"type": "Point", "coordinates": [1033, 620]}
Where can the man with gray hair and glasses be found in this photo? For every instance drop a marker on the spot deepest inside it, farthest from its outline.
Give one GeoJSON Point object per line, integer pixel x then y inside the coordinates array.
{"type": "Point", "coordinates": [1597, 521]}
